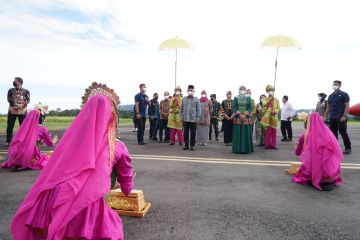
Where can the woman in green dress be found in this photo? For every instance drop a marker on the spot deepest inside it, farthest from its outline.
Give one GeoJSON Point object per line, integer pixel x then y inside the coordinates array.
{"type": "Point", "coordinates": [242, 123]}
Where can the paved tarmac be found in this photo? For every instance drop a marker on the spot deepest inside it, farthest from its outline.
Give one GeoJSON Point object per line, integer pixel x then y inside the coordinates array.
{"type": "Point", "coordinates": [211, 193]}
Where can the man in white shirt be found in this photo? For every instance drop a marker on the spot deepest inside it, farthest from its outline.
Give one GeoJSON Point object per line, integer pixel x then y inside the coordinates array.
{"type": "Point", "coordinates": [287, 113]}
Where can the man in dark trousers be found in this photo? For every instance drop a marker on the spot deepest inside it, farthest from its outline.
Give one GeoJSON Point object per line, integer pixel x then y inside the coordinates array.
{"type": "Point", "coordinates": [336, 113]}
{"type": "Point", "coordinates": [287, 114]}
{"type": "Point", "coordinates": [215, 115]}
{"type": "Point", "coordinates": [154, 115]}
{"type": "Point", "coordinates": [141, 103]}
{"type": "Point", "coordinates": [18, 98]}
{"type": "Point", "coordinates": [190, 114]}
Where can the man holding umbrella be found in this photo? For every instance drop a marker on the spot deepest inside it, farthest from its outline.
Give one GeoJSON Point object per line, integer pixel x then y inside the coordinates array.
{"type": "Point", "coordinates": [271, 108]}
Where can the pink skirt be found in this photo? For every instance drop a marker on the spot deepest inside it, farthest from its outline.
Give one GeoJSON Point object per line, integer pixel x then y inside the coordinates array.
{"type": "Point", "coordinates": [37, 162]}
{"type": "Point", "coordinates": [96, 221]}
{"type": "Point", "coordinates": [304, 177]}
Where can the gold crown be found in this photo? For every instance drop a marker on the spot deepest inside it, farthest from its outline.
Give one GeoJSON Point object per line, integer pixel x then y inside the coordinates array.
{"type": "Point", "coordinates": [303, 116]}
{"type": "Point", "coordinates": [100, 89]}
{"type": "Point", "coordinates": [44, 109]}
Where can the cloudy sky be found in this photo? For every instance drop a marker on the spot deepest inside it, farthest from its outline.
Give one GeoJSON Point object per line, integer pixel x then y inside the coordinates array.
{"type": "Point", "coordinates": [59, 47]}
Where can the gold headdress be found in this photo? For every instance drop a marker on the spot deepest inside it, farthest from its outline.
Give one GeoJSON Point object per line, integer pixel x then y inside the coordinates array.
{"type": "Point", "coordinates": [303, 116]}
{"type": "Point", "coordinates": [44, 109]}
{"type": "Point", "coordinates": [102, 89]}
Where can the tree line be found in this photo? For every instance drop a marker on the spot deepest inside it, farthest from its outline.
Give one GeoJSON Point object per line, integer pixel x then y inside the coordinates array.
{"type": "Point", "coordinates": [74, 112]}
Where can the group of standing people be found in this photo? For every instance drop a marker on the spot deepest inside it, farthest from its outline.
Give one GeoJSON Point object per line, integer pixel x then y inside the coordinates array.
{"type": "Point", "coordinates": [194, 120]}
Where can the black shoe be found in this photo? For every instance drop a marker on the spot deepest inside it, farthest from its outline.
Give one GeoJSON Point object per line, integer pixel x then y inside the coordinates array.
{"type": "Point", "coordinates": [155, 139]}
{"type": "Point", "coordinates": [289, 140]}
{"type": "Point", "coordinates": [180, 144]}
{"type": "Point", "coordinates": [217, 140]}
{"type": "Point", "coordinates": [274, 148]}
{"type": "Point", "coordinates": [160, 141]}
{"type": "Point", "coordinates": [327, 186]}
{"type": "Point", "coordinates": [172, 144]}
{"type": "Point", "coordinates": [347, 151]}
{"type": "Point", "coordinates": [142, 143]}
{"type": "Point", "coordinates": [284, 140]}
{"type": "Point", "coordinates": [166, 141]}
{"type": "Point", "coordinates": [185, 148]}
{"type": "Point", "coordinates": [267, 147]}
{"type": "Point", "coordinates": [192, 148]}
{"type": "Point", "coordinates": [15, 169]}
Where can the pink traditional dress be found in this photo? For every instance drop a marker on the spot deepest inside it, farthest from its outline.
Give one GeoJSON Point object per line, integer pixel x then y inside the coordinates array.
{"type": "Point", "coordinates": [320, 155]}
{"type": "Point", "coordinates": [24, 149]}
{"type": "Point", "coordinates": [67, 199]}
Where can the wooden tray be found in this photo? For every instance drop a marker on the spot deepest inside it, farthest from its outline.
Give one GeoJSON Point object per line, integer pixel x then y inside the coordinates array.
{"type": "Point", "coordinates": [141, 213]}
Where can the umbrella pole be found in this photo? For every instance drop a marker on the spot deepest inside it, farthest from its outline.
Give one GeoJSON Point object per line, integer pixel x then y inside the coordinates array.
{"type": "Point", "coordinates": [276, 62]}
{"type": "Point", "coordinates": [175, 64]}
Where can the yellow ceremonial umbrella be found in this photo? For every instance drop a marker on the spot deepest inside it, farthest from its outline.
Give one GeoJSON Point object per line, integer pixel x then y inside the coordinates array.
{"type": "Point", "coordinates": [280, 42]}
{"type": "Point", "coordinates": [175, 44]}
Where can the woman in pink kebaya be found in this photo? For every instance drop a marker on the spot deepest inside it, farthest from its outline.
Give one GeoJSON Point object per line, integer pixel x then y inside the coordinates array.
{"type": "Point", "coordinates": [67, 199]}
{"type": "Point", "coordinates": [24, 149]}
{"type": "Point", "coordinates": [320, 155]}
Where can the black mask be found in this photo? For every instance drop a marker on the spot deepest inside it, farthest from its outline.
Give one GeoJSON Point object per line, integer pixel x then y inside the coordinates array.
{"type": "Point", "coordinates": [14, 83]}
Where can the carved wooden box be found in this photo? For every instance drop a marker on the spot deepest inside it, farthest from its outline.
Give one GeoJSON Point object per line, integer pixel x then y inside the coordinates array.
{"type": "Point", "coordinates": [132, 205]}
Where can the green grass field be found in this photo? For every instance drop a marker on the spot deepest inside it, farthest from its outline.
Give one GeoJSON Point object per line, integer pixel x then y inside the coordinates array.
{"type": "Point", "coordinates": [56, 123]}
{"type": "Point", "coordinates": [61, 123]}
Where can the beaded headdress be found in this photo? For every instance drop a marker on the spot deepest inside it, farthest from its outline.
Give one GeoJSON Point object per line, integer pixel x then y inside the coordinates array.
{"type": "Point", "coordinates": [100, 89]}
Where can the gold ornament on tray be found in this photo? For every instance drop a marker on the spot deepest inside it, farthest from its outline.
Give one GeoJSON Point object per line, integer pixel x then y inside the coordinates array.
{"type": "Point", "coordinates": [100, 89]}
{"type": "Point", "coordinates": [294, 168]}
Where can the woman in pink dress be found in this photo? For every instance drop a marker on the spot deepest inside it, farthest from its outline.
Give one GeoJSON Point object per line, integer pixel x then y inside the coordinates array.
{"type": "Point", "coordinates": [320, 155]}
{"type": "Point", "coordinates": [67, 199]}
{"type": "Point", "coordinates": [24, 149]}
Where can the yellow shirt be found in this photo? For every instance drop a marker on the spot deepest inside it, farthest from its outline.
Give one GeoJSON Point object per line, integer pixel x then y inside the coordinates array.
{"type": "Point", "coordinates": [271, 108]}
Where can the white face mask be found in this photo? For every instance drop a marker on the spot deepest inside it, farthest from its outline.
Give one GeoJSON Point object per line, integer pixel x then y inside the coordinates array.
{"type": "Point", "coordinates": [320, 98]}
{"type": "Point", "coordinates": [242, 92]}
{"type": "Point", "coordinates": [262, 100]}
{"type": "Point", "coordinates": [335, 87]}
{"type": "Point", "coordinates": [248, 95]}
{"type": "Point", "coordinates": [144, 89]}
{"type": "Point", "coordinates": [203, 95]}
{"type": "Point", "coordinates": [166, 97]}
{"type": "Point", "coordinates": [177, 93]}
{"type": "Point", "coordinates": [190, 93]}
{"type": "Point", "coordinates": [271, 93]}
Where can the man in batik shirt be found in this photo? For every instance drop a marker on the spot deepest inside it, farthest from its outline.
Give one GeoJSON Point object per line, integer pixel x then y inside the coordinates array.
{"type": "Point", "coordinates": [18, 98]}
